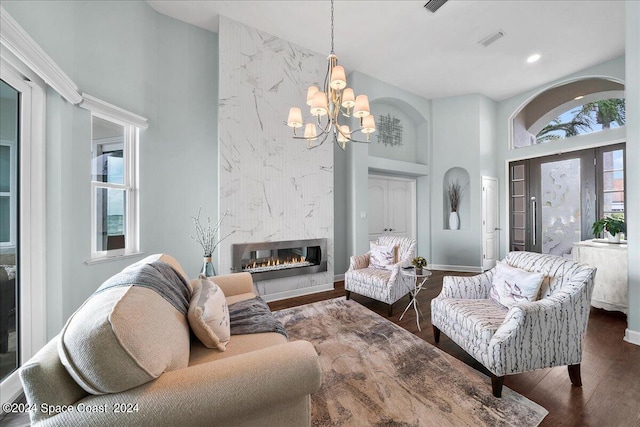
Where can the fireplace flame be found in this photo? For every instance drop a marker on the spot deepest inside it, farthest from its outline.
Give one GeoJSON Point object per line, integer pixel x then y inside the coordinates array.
{"type": "Point", "coordinates": [275, 264]}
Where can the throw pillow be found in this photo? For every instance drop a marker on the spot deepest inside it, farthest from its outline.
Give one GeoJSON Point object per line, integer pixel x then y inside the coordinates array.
{"type": "Point", "coordinates": [129, 331]}
{"type": "Point", "coordinates": [382, 256]}
{"type": "Point", "coordinates": [512, 285]}
{"type": "Point", "coordinates": [209, 314]}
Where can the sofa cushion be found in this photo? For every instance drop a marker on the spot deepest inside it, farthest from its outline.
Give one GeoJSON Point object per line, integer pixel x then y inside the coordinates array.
{"type": "Point", "coordinates": [512, 285]}
{"type": "Point", "coordinates": [382, 256]}
{"type": "Point", "coordinates": [209, 314]}
{"type": "Point", "coordinates": [471, 321]}
{"type": "Point", "coordinates": [126, 335]}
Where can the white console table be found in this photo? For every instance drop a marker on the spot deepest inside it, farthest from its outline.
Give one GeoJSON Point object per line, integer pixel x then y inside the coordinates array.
{"type": "Point", "coordinates": [610, 290]}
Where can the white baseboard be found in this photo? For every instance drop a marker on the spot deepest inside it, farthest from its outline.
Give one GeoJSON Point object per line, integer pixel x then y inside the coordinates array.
{"type": "Point", "coordinates": [460, 268]}
{"type": "Point", "coordinates": [338, 277]}
{"type": "Point", "coordinates": [297, 292]}
{"type": "Point", "coordinates": [632, 337]}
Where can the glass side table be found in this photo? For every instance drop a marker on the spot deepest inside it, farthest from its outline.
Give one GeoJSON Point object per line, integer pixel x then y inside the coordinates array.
{"type": "Point", "coordinates": [419, 282]}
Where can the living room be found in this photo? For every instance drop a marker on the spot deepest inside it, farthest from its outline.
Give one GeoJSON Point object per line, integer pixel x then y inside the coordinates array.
{"type": "Point", "coordinates": [215, 140]}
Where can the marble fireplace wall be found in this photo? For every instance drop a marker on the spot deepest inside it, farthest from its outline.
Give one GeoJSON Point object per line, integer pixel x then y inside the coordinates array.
{"type": "Point", "coordinates": [272, 186]}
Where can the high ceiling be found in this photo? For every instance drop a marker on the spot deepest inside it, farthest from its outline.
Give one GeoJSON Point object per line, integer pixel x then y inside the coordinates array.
{"type": "Point", "coordinates": [436, 54]}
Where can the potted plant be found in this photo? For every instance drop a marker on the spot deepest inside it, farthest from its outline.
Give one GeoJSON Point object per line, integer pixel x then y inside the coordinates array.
{"type": "Point", "coordinates": [419, 263]}
{"type": "Point", "coordinates": [455, 193]}
{"type": "Point", "coordinates": [612, 226]}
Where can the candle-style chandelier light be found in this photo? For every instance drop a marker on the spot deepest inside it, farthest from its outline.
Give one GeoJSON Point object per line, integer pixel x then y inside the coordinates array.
{"type": "Point", "coordinates": [335, 102]}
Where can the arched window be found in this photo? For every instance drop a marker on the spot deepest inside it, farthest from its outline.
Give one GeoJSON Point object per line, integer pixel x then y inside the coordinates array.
{"type": "Point", "coordinates": [575, 108]}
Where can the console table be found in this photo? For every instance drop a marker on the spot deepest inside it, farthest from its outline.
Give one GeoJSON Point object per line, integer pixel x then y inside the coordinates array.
{"type": "Point", "coordinates": [610, 290]}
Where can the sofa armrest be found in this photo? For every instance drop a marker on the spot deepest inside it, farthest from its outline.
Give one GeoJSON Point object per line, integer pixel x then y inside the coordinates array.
{"type": "Point", "coordinates": [235, 284]}
{"type": "Point", "coordinates": [469, 287]}
{"type": "Point", "coordinates": [357, 262]}
{"type": "Point", "coordinates": [224, 392]}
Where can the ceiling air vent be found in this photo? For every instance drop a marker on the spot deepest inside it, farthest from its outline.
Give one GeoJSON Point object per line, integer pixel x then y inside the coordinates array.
{"type": "Point", "coordinates": [433, 5]}
{"type": "Point", "coordinates": [491, 38]}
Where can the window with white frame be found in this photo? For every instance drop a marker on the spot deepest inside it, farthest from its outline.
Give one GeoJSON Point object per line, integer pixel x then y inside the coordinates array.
{"type": "Point", "coordinates": [114, 179]}
{"type": "Point", "coordinates": [8, 194]}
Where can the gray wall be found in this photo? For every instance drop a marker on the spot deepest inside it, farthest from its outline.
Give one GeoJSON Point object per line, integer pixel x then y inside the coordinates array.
{"type": "Point", "coordinates": [156, 67]}
{"type": "Point", "coordinates": [632, 55]}
{"type": "Point", "coordinates": [463, 137]}
{"type": "Point", "coordinates": [351, 194]}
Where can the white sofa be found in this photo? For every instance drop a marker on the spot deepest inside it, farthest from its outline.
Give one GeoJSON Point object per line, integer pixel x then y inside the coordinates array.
{"type": "Point", "coordinates": [530, 335]}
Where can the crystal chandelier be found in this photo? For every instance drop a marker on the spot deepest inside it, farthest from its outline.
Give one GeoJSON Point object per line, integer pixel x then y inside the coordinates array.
{"type": "Point", "coordinates": [331, 104]}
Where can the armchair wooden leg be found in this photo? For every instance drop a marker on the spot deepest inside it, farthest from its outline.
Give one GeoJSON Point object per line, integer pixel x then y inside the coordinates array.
{"type": "Point", "coordinates": [390, 310]}
{"type": "Point", "coordinates": [436, 334]}
{"type": "Point", "coordinates": [496, 385]}
{"type": "Point", "coordinates": [574, 375]}
{"type": "Point", "coordinates": [348, 294]}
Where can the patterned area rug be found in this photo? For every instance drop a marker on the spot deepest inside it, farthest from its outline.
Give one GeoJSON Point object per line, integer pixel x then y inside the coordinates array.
{"type": "Point", "coordinates": [374, 373]}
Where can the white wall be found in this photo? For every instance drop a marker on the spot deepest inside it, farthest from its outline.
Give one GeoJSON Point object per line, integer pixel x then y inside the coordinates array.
{"type": "Point", "coordinates": [273, 186]}
{"type": "Point", "coordinates": [149, 64]}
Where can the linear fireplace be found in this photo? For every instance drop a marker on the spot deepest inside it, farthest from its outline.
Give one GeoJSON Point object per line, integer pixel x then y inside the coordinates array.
{"type": "Point", "coordinates": [272, 260]}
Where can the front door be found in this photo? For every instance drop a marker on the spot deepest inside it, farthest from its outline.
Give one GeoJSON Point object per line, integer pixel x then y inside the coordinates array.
{"type": "Point", "coordinates": [556, 199]}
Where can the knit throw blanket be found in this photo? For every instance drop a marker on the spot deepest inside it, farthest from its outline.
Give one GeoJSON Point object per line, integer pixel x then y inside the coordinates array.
{"type": "Point", "coordinates": [253, 316]}
{"type": "Point", "coordinates": [157, 276]}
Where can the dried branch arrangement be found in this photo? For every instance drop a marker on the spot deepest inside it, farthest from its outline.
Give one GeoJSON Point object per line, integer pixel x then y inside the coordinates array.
{"type": "Point", "coordinates": [206, 235]}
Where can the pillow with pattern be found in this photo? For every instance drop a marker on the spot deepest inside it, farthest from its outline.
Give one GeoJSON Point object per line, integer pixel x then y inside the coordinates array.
{"type": "Point", "coordinates": [208, 314]}
{"type": "Point", "coordinates": [512, 285]}
{"type": "Point", "coordinates": [381, 256]}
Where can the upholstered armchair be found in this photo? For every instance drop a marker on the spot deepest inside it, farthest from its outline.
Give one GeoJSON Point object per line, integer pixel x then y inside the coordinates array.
{"type": "Point", "coordinates": [386, 285]}
{"type": "Point", "coordinates": [530, 335]}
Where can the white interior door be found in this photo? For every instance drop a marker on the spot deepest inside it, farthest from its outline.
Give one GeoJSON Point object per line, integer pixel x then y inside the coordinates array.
{"type": "Point", "coordinates": [490, 229]}
{"type": "Point", "coordinates": [392, 207]}
{"type": "Point", "coordinates": [377, 208]}
{"type": "Point", "coordinates": [399, 209]}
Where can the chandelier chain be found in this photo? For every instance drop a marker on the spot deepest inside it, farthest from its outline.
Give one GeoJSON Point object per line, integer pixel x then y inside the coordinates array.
{"type": "Point", "coordinates": [332, 27]}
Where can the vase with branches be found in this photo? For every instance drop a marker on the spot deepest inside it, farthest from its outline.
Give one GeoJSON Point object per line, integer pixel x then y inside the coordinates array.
{"type": "Point", "coordinates": [207, 236]}
{"type": "Point", "coordinates": [454, 192]}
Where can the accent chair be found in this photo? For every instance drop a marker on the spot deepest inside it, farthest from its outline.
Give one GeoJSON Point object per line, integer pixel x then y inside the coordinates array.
{"type": "Point", "coordinates": [530, 335]}
{"type": "Point", "coordinates": [386, 285]}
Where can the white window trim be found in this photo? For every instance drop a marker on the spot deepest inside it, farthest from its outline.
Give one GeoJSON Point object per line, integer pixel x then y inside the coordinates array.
{"type": "Point", "coordinates": [12, 194]}
{"type": "Point", "coordinates": [32, 196]}
{"type": "Point", "coordinates": [130, 122]}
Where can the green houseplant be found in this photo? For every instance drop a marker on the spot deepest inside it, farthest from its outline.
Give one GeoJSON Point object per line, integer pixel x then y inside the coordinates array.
{"type": "Point", "coordinates": [613, 226]}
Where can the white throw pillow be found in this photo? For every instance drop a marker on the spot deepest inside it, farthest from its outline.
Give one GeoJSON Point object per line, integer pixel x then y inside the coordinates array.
{"type": "Point", "coordinates": [209, 314]}
{"type": "Point", "coordinates": [382, 256]}
{"type": "Point", "coordinates": [512, 285]}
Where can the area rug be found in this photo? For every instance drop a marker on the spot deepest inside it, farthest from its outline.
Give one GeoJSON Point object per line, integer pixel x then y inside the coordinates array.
{"type": "Point", "coordinates": [374, 373]}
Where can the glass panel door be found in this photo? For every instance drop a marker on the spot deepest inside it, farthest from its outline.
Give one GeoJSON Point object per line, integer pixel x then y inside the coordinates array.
{"type": "Point", "coordinates": [560, 208]}
{"type": "Point", "coordinates": [9, 238]}
{"type": "Point", "coordinates": [553, 202]}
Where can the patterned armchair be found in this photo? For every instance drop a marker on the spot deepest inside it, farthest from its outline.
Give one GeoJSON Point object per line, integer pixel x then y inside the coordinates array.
{"type": "Point", "coordinates": [530, 335]}
{"type": "Point", "coordinates": [383, 285]}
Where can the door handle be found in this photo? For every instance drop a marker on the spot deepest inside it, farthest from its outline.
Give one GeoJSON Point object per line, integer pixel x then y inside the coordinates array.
{"type": "Point", "coordinates": [386, 229]}
{"type": "Point", "coordinates": [497, 229]}
{"type": "Point", "coordinates": [533, 219]}
{"type": "Point", "coordinates": [391, 229]}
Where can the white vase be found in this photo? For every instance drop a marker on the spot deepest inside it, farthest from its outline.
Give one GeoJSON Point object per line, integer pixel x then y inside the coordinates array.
{"type": "Point", "coordinates": [454, 221]}
{"type": "Point", "coordinates": [615, 238]}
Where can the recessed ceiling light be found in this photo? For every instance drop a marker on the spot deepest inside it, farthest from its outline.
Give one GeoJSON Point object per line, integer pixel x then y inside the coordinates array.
{"type": "Point", "coordinates": [579, 97]}
{"type": "Point", "coordinates": [533, 58]}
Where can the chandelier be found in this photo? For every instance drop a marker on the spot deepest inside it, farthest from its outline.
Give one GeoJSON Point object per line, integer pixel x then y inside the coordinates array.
{"type": "Point", "coordinates": [333, 103]}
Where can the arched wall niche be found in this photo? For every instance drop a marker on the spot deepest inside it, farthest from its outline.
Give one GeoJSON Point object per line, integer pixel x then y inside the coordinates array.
{"type": "Point", "coordinates": [402, 123]}
{"type": "Point", "coordinates": [537, 111]}
{"type": "Point", "coordinates": [461, 176]}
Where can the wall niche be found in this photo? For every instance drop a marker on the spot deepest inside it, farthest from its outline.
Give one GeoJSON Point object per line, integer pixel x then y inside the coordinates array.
{"type": "Point", "coordinates": [459, 176]}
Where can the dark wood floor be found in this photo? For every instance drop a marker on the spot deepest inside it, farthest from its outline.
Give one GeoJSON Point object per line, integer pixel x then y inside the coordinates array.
{"type": "Point", "coordinates": [610, 395]}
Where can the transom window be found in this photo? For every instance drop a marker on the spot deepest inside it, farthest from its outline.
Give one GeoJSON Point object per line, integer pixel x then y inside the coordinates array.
{"type": "Point", "coordinates": [590, 117]}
